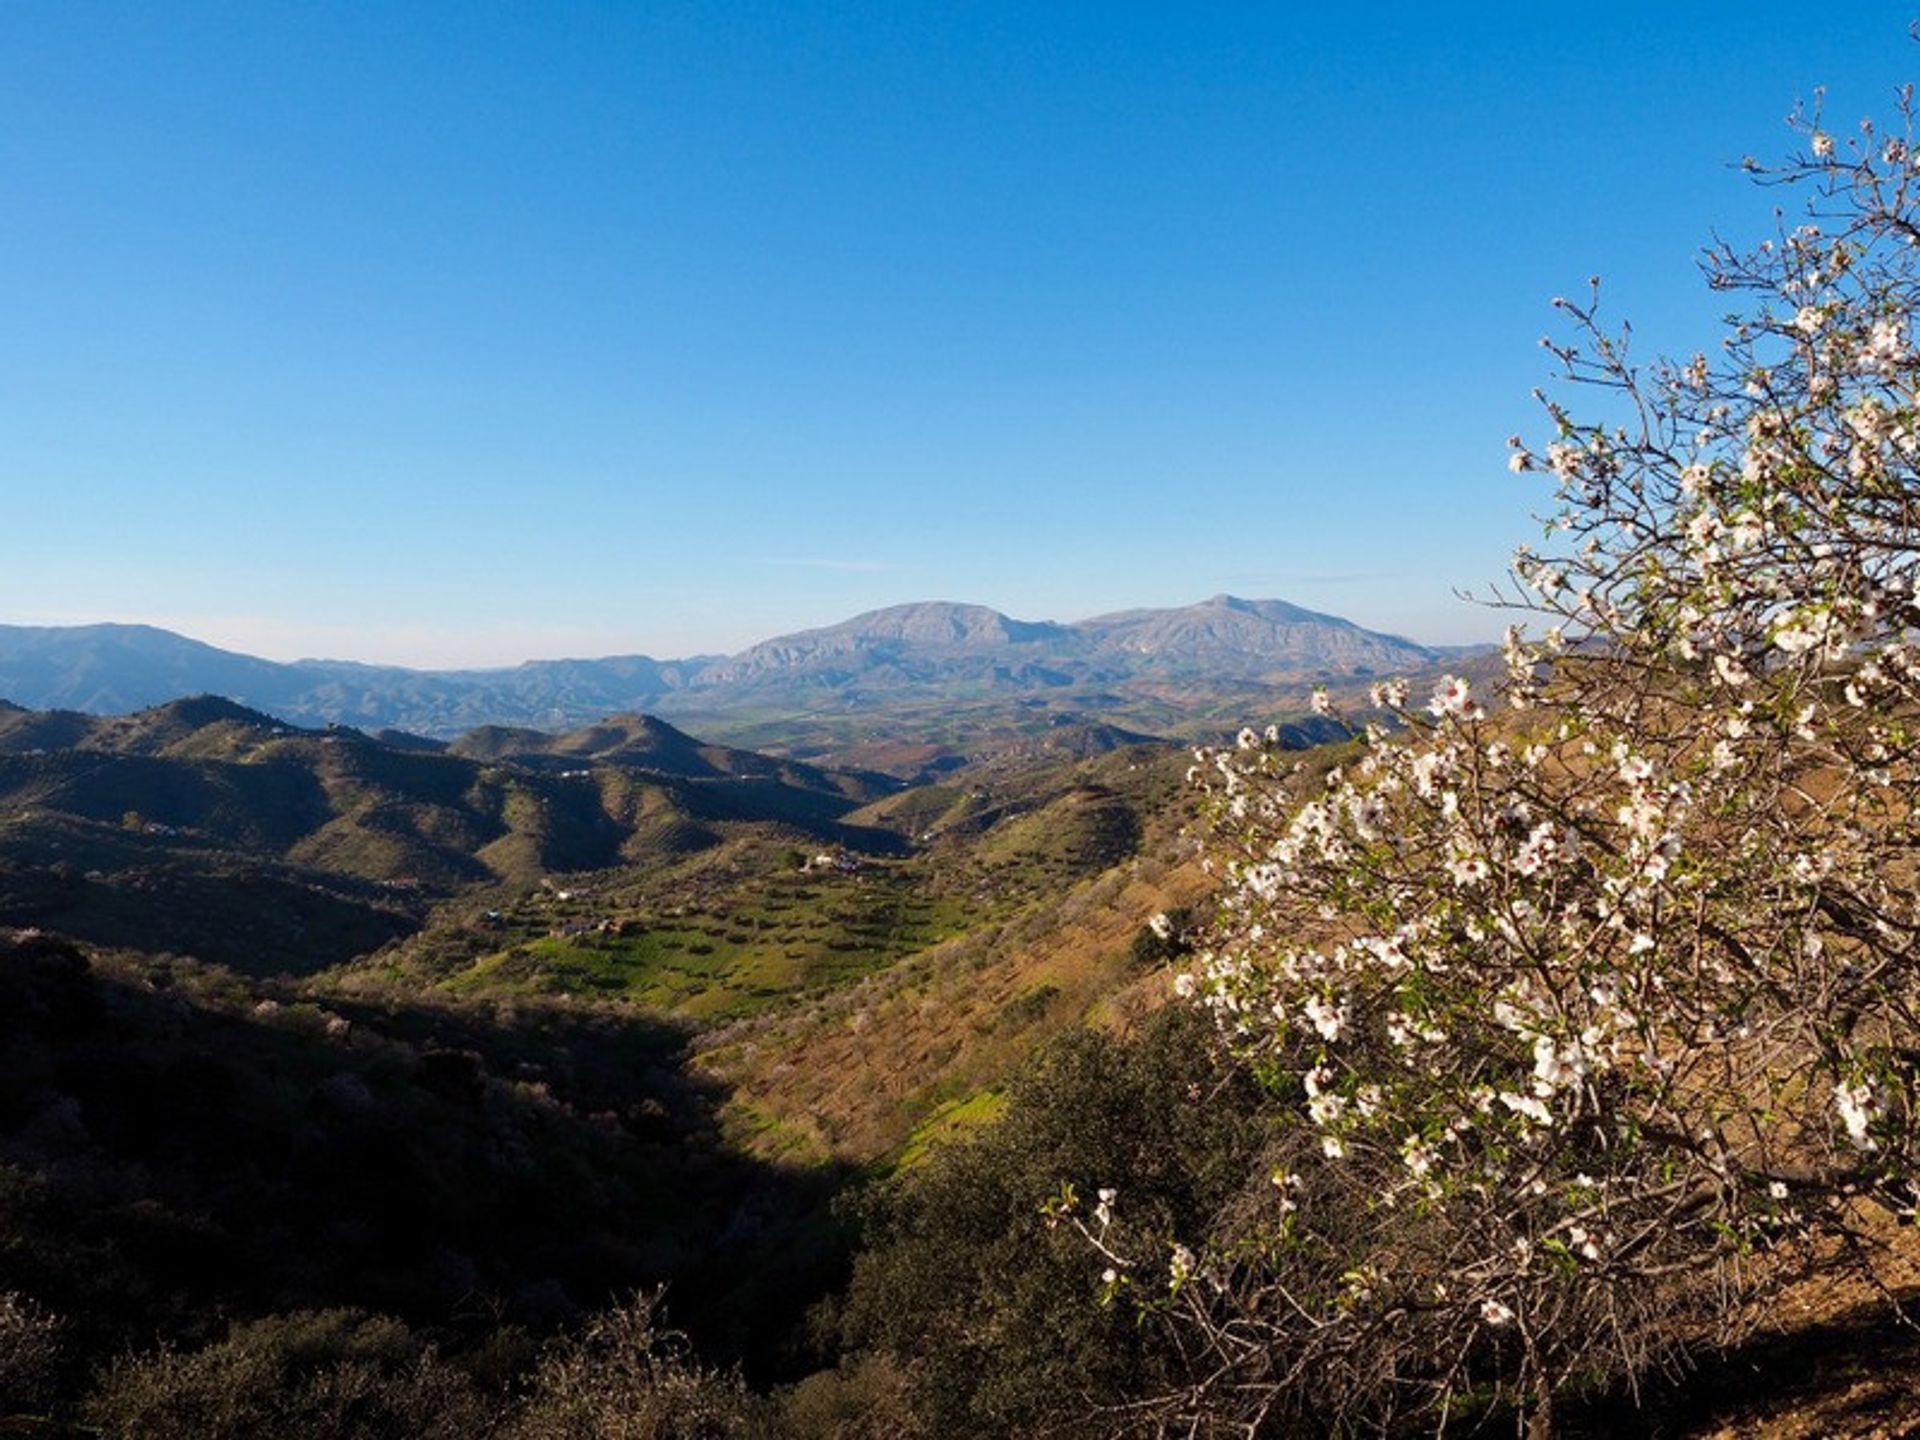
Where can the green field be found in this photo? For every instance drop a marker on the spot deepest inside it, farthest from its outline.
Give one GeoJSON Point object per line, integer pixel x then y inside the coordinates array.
{"type": "Point", "coordinates": [662, 946]}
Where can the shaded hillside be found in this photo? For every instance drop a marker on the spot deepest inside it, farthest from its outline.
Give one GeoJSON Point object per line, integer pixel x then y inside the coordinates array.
{"type": "Point", "coordinates": [109, 885]}
{"type": "Point", "coordinates": [177, 1149]}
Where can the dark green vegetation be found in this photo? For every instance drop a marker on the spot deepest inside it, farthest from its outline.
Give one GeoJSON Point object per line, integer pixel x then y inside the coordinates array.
{"type": "Point", "coordinates": [997, 1313]}
{"type": "Point", "coordinates": [179, 1148]}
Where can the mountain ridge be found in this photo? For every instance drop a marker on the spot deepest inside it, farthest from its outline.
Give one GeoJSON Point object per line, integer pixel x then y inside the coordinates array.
{"type": "Point", "coordinates": [899, 654]}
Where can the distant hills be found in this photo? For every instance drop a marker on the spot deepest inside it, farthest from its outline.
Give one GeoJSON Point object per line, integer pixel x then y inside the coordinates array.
{"type": "Point", "coordinates": [237, 837]}
{"type": "Point", "coordinates": [972, 648]}
{"type": "Point", "coordinates": [902, 655]}
{"type": "Point", "coordinates": [117, 669]}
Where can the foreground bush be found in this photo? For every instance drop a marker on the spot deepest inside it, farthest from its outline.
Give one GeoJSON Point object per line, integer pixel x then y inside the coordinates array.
{"type": "Point", "coordinates": [315, 1375]}
{"type": "Point", "coordinates": [1591, 1005]}
{"type": "Point", "coordinates": [626, 1378]}
{"type": "Point", "coordinates": [30, 1354]}
{"type": "Point", "coordinates": [987, 1304]}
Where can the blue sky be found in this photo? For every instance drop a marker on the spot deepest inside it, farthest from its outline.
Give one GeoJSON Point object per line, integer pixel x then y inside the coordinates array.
{"type": "Point", "coordinates": [463, 333]}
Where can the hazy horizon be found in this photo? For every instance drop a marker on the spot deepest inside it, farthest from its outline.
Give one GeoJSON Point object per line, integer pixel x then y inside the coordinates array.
{"type": "Point", "coordinates": [284, 647]}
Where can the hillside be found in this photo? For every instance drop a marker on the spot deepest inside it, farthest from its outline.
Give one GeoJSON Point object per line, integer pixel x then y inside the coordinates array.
{"type": "Point", "coordinates": [933, 645]}
{"type": "Point", "coordinates": [175, 826]}
{"type": "Point", "coordinates": [178, 1148]}
{"type": "Point", "coordinates": [626, 861]}
{"type": "Point", "coordinates": [751, 925]}
{"type": "Point", "coordinates": [644, 742]}
{"type": "Point", "coordinates": [582, 988]}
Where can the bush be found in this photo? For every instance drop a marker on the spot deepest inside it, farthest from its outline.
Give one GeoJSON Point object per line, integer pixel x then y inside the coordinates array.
{"type": "Point", "coordinates": [1592, 1011]}
{"type": "Point", "coordinates": [1165, 938]}
{"type": "Point", "coordinates": [624, 1378]}
{"type": "Point", "coordinates": [315, 1375]}
{"type": "Point", "coordinates": [865, 1399]}
{"type": "Point", "coordinates": [989, 1308]}
{"type": "Point", "coordinates": [30, 1353]}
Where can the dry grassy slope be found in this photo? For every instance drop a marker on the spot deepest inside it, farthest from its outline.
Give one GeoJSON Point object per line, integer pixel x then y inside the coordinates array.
{"type": "Point", "coordinates": [854, 1076]}
{"type": "Point", "coordinates": [870, 1073]}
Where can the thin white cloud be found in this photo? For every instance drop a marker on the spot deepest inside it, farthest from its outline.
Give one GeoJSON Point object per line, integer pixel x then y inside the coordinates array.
{"type": "Point", "coordinates": [1264, 580]}
{"type": "Point", "coordinates": [809, 562]}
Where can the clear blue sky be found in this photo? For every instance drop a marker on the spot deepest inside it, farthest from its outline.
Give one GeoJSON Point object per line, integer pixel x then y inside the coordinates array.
{"type": "Point", "coordinates": [461, 333]}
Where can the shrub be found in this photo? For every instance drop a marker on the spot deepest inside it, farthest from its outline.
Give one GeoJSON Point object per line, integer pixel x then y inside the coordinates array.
{"type": "Point", "coordinates": [1591, 1007]}
{"type": "Point", "coordinates": [865, 1399]}
{"type": "Point", "coordinates": [31, 1352]}
{"type": "Point", "coordinates": [317, 1375]}
{"type": "Point", "coordinates": [987, 1306]}
{"type": "Point", "coordinates": [625, 1378]}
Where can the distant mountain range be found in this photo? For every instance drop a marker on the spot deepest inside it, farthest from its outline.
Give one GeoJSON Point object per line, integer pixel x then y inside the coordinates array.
{"type": "Point", "coordinates": [909, 654]}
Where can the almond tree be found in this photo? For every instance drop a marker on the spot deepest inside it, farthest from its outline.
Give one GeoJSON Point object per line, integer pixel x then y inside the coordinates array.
{"type": "Point", "coordinates": [1588, 1005]}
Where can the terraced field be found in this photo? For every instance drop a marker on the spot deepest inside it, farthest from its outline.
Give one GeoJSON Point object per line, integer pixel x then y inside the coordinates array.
{"type": "Point", "coordinates": [780, 932]}
{"type": "Point", "coordinates": [729, 932]}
